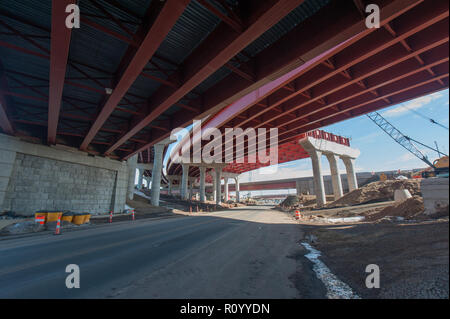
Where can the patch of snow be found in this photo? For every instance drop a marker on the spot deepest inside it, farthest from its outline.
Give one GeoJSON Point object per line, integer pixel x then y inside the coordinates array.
{"type": "Point", "coordinates": [336, 289]}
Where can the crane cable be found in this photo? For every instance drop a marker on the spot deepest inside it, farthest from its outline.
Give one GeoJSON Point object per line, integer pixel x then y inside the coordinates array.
{"type": "Point", "coordinates": [425, 117]}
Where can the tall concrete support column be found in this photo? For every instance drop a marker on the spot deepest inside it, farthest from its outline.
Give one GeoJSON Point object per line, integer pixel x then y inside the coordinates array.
{"type": "Point", "coordinates": [225, 189]}
{"type": "Point", "coordinates": [140, 178]}
{"type": "Point", "coordinates": [169, 186]}
{"type": "Point", "coordinates": [213, 173]}
{"type": "Point", "coordinates": [236, 180]}
{"type": "Point", "coordinates": [351, 174]}
{"type": "Point", "coordinates": [191, 189]}
{"type": "Point", "coordinates": [184, 182]}
{"type": "Point", "coordinates": [202, 183]}
{"type": "Point", "coordinates": [156, 173]}
{"type": "Point", "coordinates": [132, 162]}
{"type": "Point", "coordinates": [319, 187]}
{"type": "Point", "coordinates": [218, 174]}
{"type": "Point", "coordinates": [335, 176]}
{"type": "Point", "coordinates": [298, 188]}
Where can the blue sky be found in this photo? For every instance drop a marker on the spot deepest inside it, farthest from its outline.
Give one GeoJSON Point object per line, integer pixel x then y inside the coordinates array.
{"type": "Point", "coordinates": [378, 151]}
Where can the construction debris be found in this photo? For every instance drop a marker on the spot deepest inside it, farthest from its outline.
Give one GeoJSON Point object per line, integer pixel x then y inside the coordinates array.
{"type": "Point", "coordinates": [411, 208]}
{"type": "Point", "coordinates": [377, 192]}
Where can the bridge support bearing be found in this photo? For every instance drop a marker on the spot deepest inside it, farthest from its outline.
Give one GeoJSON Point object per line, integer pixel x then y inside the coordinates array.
{"type": "Point", "coordinates": [156, 173]}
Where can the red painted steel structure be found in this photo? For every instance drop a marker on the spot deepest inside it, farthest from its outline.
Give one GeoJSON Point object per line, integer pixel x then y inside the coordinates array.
{"type": "Point", "coordinates": [345, 70]}
{"type": "Point", "coordinates": [60, 42]}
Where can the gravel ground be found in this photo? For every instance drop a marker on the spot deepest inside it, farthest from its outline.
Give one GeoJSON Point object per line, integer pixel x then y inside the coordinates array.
{"type": "Point", "coordinates": [413, 257]}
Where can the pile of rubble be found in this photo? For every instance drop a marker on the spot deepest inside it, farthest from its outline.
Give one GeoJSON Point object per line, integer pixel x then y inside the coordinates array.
{"type": "Point", "coordinates": [377, 192]}
{"type": "Point", "coordinates": [411, 208]}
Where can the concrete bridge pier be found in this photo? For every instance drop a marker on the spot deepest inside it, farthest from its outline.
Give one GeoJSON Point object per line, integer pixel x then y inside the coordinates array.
{"type": "Point", "coordinates": [132, 163]}
{"type": "Point", "coordinates": [156, 173]}
{"type": "Point", "coordinates": [218, 184]}
{"type": "Point", "coordinates": [225, 188]}
{"type": "Point", "coordinates": [202, 183]}
{"type": "Point", "coordinates": [335, 176]}
{"type": "Point", "coordinates": [332, 150]}
{"type": "Point", "coordinates": [236, 180]}
{"type": "Point", "coordinates": [351, 174]}
{"type": "Point", "coordinates": [184, 182]}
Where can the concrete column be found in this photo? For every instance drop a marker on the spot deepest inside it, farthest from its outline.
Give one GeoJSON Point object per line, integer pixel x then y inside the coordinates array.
{"type": "Point", "coordinates": [184, 181]}
{"type": "Point", "coordinates": [169, 191]}
{"type": "Point", "coordinates": [335, 176]}
{"type": "Point", "coordinates": [191, 190]}
{"type": "Point", "coordinates": [319, 188]}
{"type": "Point", "coordinates": [213, 173]}
{"type": "Point", "coordinates": [132, 162]}
{"type": "Point", "coordinates": [236, 180]}
{"type": "Point", "coordinates": [156, 173]}
{"type": "Point", "coordinates": [202, 183]}
{"type": "Point", "coordinates": [218, 173]}
{"type": "Point", "coordinates": [140, 178]}
{"type": "Point", "coordinates": [7, 159]}
{"type": "Point", "coordinates": [225, 189]}
{"type": "Point", "coordinates": [298, 188]}
{"type": "Point", "coordinates": [351, 174]}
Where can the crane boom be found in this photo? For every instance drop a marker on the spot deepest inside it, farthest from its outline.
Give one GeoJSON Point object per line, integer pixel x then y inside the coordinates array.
{"type": "Point", "coordinates": [399, 137]}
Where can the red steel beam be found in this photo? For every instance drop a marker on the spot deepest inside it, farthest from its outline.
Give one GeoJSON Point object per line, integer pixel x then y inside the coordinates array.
{"type": "Point", "coordinates": [167, 18]}
{"type": "Point", "coordinates": [60, 43]}
{"type": "Point", "coordinates": [435, 36]}
{"type": "Point", "coordinates": [220, 46]}
{"type": "Point", "coordinates": [5, 123]}
{"type": "Point", "coordinates": [316, 80]}
{"type": "Point", "coordinates": [283, 56]}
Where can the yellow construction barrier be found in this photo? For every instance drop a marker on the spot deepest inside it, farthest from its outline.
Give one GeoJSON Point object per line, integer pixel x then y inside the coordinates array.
{"type": "Point", "coordinates": [87, 218]}
{"type": "Point", "coordinates": [68, 217]}
{"type": "Point", "coordinates": [53, 216]}
{"type": "Point", "coordinates": [39, 216]}
{"type": "Point", "coordinates": [78, 219]}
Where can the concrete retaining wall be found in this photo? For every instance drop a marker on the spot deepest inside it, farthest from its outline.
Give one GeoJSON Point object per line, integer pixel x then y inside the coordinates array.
{"type": "Point", "coordinates": [38, 177]}
{"type": "Point", "coordinates": [435, 194]}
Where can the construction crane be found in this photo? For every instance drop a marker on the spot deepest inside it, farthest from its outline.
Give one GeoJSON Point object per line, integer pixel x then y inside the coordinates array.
{"type": "Point", "coordinates": [439, 166]}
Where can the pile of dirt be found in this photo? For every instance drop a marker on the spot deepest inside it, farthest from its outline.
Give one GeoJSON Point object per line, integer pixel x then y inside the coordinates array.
{"type": "Point", "coordinates": [411, 208]}
{"type": "Point", "coordinates": [377, 192]}
{"type": "Point", "coordinates": [301, 201]}
{"type": "Point", "coordinates": [290, 201]}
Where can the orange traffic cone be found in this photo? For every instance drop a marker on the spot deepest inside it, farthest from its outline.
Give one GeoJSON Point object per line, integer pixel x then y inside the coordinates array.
{"type": "Point", "coordinates": [297, 214]}
{"type": "Point", "coordinates": [58, 227]}
{"type": "Point", "coordinates": [110, 216]}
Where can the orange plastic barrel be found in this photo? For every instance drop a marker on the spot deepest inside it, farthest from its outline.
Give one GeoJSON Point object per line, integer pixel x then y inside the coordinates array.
{"type": "Point", "coordinates": [78, 219]}
{"type": "Point", "coordinates": [40, 217]}
{"type": "Point", "coordinates": [53, 216]}
{"type": "Point", "coordinates": [87, 217]}
{"type": "Point", "coordinates": [39, 214]}
{"type": "Point", "coordinates": [68, 217]}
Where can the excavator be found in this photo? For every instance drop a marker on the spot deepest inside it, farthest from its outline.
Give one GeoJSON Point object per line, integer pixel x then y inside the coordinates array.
{"type": "Point", "coordinates": [439, 167]}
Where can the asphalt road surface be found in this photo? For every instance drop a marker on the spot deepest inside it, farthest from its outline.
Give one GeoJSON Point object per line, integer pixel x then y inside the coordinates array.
{"type": "Point", "coordinates": [251, 252]}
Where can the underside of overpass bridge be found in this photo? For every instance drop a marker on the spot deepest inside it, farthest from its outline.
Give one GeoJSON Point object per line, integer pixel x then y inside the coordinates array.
{"type": "Point", "coordinates": [83, 104]}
